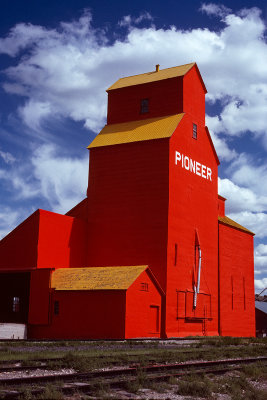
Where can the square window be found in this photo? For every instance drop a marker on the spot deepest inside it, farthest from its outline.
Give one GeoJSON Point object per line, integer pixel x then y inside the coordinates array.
{"type": "Point", "coordinates": [194, 131]}
{"type": "Point", "coordinates": [144, 106]}
{"type": "Point", "coordinates": [15, 304]}
{"type": "Point", "coordinates": [56, 307]}
{"type": "Point", "coordinates": [144, 286]}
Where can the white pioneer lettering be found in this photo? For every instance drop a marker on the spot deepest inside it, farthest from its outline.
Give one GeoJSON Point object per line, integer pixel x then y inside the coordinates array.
{"type": "Point", "coordinates": [193, 166]}
{"type": "Point", "coordinates": [198, 168]}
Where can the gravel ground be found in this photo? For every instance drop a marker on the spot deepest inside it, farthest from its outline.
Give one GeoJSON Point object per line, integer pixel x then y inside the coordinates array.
{"type": "Point", "coordinates": [52, 346]}
{"type": "Point", "coordinates": [36, 372]}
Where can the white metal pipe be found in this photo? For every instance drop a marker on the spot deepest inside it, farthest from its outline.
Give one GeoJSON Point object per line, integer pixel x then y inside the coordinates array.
{"type": "Point", "coordinates": [199, 268]}
{"type": "Point", "coordinates": [196, 288]}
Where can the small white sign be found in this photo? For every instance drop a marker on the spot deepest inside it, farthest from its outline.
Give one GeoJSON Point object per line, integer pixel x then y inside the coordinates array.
{"type": "Point", "coordinates": [193, 166]}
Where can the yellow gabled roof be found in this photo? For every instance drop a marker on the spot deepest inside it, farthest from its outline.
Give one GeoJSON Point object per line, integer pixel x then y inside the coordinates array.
{"type": "Point", "coordinates": [100, 278]}
{"type": "Point", "coordinates": [152, 76]}
{"type": "Point", "coordinates": [136, 131]}
{"type": "Point", "coordinates": [228, 221]}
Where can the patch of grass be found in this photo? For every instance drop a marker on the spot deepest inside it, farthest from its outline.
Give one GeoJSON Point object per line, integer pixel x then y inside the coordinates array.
{"type": "Point", "coordinates": [101, 391]}
{"type": "Point", "coordinates": [132, 386]}
{"type": "Point", "coordinates": [172, 380]}
{"type": "Point", "coordinates": [75, 361]}
{"type": "Point", "coordinates": [239, 388]}
{"type": "Point", "coordinates": [194, 387]}
{"type": "Point", "coordinates": [51, 393]}
{"type": "Point", "coordinates": [26, 394]}
{"type": "Point", "coordinates": [102, 353]}
{"type": "Point", "coordinates": [159, 386]}
{"type": "Point", "coordinates": [255, 371]}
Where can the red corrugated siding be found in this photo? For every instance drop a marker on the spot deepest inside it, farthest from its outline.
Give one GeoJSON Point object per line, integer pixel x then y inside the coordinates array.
{"type": "Point", "coordinates": [62, 241]}
{"type": "Point", "coordinates": [85, 315]}
{"type": "Point", "coordinates": [165, 98]}
{"type": "Point", "coordinates": [18, 250]}
{"type": "Point", "coordinates": [221, 207]}
{"type": "Point", "coordinates": [128, 213]}
{"type": "Point", "coordinates": [193, 207]}
{"type": "Point", "coordinates": [80, 210]}
{"type": "Point", "coordinates": [194, 97]}
{"type": "Point", "coordinates": [39, 307]}
{"type": "Point", "coordinates": [237, 309]}
{"type": "Point", "coordinates": [142, 307]}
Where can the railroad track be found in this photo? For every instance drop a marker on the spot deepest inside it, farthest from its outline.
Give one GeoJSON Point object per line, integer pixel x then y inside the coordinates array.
{"type": "Point", "coordinates": [120, 377]}
{"type": "Point", "coordinates": [41, 362]}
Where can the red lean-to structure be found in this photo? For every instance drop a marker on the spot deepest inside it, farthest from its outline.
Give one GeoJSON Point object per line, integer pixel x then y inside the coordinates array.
{"type": "Point", "coordinates": [149, 252]}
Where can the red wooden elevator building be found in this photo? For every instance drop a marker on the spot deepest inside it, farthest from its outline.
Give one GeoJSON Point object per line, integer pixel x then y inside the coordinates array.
{"type": "Point", "coordinates": [149, 252]}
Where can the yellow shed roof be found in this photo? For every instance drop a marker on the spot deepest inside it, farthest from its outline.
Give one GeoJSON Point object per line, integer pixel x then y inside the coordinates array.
{"type": "Point", "coordinates": [152, 76]}
{"type": "Point", "coordinates": [228, 221]}
{"type": "Point", "coordinates": [100, 278]}
{"type": "Point", "coordinates": [136, 131]}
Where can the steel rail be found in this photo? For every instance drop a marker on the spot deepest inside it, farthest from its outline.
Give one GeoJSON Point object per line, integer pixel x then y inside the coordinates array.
{"type": "Point", "coordinates": [154, 373]}
{"type": "Point", "coordinates": [128, 371]}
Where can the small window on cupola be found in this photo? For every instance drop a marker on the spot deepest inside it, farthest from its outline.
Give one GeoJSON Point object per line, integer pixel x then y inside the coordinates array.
{"type": "Point", "coordinates": [194, 131]}
{"type": "Point", "coordinates": [144, 106]}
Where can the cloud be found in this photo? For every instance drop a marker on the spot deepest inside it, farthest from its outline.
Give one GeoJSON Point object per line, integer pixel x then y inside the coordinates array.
{"type": "Point", "coordinates": [62, 181]}
{"type": "Point", "coordinates": [129, 21]}
{"type": "Point", "coordinates": [260, 259]}
{"type": "Point", "coordinates": [19, 181]}
{"type": "Point", "coordinates": [225, 153]}
{"type": "Point", "coordinates": [260, 284]}
{"type": "Point", "coordinates": [8, 219]}
{"type": "Point", "coordinates": [215, 9]}
{"type": "Point", "coordinates": [255, 222]}
{"type": "Point", "coordinates": [68, 69]}
{"type": "Point", "coordinates": [246, 205]}
{"type": "Point", "coordinates": [22, 36]}
{"type": "Point", "coordinates": [33, 112]}
{"type": "Point", "coordinates": [246, 192]}
{"type": "Point", "coordinates": [241, 198]}
{"type": "Point", "coordinates": [7, 157]}
{"type": "Point", "coordinates": [252, 174]}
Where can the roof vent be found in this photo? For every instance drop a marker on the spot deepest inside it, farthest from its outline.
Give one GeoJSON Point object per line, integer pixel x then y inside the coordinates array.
{"type": "Point", "coordinates": [157, 68]}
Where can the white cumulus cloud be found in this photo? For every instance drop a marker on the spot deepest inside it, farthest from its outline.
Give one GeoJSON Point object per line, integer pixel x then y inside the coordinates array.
{"type": "Point", "coordinates": [260, 284]}
{"type": "Point", "coordinates": [7, 157]}
{"type": "Point", "coordinates": [260, 258]}
{"type": "Point", "coordinates": [129, 21]}
{"type": "Point", "coordinates": [68, 69]}
{"type": "Point", "coordinates": [9, 219]}
{"type": "Point", "coordinates": [215, 9]}
{"type": "Point", "coordinates": [61, 180]}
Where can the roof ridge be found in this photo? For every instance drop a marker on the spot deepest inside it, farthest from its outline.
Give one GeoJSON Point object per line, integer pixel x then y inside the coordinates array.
{"type": "Point", "coordinates": [154, 71]}
{"type": "Point", "coordinates": [152, 76]}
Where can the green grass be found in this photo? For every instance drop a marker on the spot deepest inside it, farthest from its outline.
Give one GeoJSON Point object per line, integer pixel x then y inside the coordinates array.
{"type": "Point", "coordinates": [98, 356]}
{"type": "Point", "coordinates": [199, 386]}
{"type": "Point", "coordinates": [239, 388]}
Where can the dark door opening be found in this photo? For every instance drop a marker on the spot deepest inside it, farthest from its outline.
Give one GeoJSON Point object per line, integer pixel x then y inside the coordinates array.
{"type": "Point", "coordinates": [14, 296]}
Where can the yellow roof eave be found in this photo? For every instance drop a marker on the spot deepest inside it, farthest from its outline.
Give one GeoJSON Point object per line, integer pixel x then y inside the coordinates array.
{"type": "Point", "coordinates": [136, 131]}
{"type": "Point", "coordinates": [153, 76]}
{"type": "Point", "coordinates": [96, 278]}
{"type": "Point", "coordinates": [230, 222]}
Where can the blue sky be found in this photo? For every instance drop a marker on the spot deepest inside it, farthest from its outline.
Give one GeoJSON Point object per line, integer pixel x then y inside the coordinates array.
{"type": "Point", "coordinates": [58, 57]}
